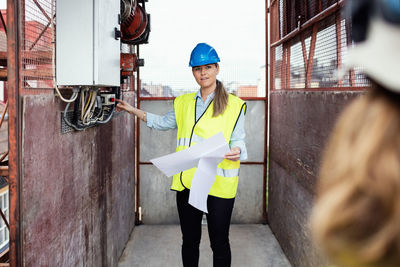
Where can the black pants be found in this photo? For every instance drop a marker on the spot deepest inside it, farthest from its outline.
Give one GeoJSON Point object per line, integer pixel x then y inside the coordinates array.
{"type": "Point", "coordinates": [218, 222]}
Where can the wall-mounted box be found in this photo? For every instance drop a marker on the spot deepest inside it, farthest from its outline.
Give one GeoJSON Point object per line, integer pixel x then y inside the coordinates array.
{"type": "Point", "coordinates": [87, 52]}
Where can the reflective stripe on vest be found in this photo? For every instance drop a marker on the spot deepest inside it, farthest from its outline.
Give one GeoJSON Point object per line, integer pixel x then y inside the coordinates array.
{"type": "Point", "coordinates": [227, 173]}
{"type": "Point", "coordinates": [186, 141]}
{"type": "Point", "coordinates": [191, 132]}
{"type": "Point", "coordinates": [183, 142]}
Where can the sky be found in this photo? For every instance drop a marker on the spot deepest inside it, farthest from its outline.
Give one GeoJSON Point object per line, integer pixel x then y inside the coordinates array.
{"type": "Point", "coordinates": [236, 29]}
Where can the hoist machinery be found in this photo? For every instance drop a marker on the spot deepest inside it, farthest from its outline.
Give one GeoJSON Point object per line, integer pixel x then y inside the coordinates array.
{"type": "Point", "coordinates": [89, 38]}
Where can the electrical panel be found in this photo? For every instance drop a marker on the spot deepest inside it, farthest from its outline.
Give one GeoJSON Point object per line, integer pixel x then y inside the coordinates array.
{"type": "Point", "coordinates": [87, 42]}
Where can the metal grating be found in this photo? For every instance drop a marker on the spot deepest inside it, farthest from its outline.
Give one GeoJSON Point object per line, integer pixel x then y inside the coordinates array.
{"type": "Point", "coordinates": [278, 67]}
{"type": "Point", "coordinates": [311, 46]}
{"type": "Point", "coordinates": [65, 128]}
{"type": "Point", "coordinates": [325, 56]}
{"type": "Point", "coordinates": [297, 66]}
{"type": "Point", "coordinates": [37, 44]}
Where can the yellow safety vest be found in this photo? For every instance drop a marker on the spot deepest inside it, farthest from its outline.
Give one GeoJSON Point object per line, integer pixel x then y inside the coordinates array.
{"type": "Point", "coordinates": [191, 132]}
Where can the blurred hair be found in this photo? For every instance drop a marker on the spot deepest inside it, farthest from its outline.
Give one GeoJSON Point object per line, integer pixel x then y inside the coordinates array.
{"type": "Point", "coordinates": [220, 99]}
{"type": "Point", "coordinates": [356, 219]}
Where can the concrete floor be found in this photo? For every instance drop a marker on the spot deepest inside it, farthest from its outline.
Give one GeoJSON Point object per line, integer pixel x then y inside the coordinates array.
{"type": "Point", "coordinates": [252, 245]}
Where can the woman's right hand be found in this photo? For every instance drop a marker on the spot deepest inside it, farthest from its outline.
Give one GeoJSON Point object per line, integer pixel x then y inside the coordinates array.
{"type": "Point", "coordinates": [123, 105]}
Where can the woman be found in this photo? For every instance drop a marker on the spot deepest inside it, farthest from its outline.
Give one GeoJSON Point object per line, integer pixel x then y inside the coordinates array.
{"type": "Point", "coordinates": [198, 116]}
{"type": "Point", "coordinates": [356, 219]}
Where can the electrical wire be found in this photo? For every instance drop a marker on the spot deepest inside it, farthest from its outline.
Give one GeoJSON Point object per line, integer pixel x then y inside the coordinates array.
{"type": "Point", "coordinates": [88, 103]}
{"type": "Point", "coordinates": [66, 118]}
{"type": "Point", "coordinates": [109, 116]}
{"type": "Point", "coordinates": [83, 101]}
{"type": "Point", "coordinates": [87, 118]}
{"type": "Point", "coordinates": [86, 99]}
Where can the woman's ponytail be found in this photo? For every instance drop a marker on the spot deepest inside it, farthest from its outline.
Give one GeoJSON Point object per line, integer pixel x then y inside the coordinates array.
{"type": "Point", "coordinates": [220, 99]}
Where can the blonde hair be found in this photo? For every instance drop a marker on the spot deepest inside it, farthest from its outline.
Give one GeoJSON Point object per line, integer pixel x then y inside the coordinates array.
{"type": "Point", "coordinates": [220, 99]}
{"type": "Point", "coordinates": [356, 219]}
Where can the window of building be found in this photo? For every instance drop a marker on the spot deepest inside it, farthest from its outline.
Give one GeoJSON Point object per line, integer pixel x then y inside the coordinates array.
{"type": "Point", "coordinates": [4, 233]}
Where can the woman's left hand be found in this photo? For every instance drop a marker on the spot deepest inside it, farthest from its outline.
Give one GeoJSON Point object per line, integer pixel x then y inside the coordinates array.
{"type": "Point", "coordinates": [234, 154]}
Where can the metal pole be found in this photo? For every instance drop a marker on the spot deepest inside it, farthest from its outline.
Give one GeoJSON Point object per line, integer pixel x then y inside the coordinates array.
{"type": "Point", "coordinates": [265, 184]}
{"type": "Point", "coordinates": [14, 129]}
{"type": "Point", "coordinates": [137, 120]}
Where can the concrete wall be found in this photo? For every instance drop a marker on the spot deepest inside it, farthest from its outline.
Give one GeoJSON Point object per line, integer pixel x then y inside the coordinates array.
{"type": "Point", "coordinates": [158, 201]}
{"type": "Point", "coordinates": [77, 189]}
{"type": "Point", "coordinates": [300, 125]}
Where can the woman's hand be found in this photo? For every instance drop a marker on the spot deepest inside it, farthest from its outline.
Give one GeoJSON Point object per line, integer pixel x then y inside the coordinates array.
{"type": "Point", "coordinates": [123, 105]}
{"type": "Point", "coordinates": [234, 154]}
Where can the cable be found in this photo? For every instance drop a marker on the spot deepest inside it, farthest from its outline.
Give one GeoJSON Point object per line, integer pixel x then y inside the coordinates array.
{"type": "Point", "coordinates": [88, 102]}
{"type": "Point", "coordinates": [89, 112]}
{"type": "Point", "coordinates": [109, 116]}
{"type": "Point", "coordinates": [72, 99]}
{"type": "Point", "coordinates": [66, 119]}
{"type": "Point", "coordinates": [82, 104]}
{"type": "Point", "coordinates": [85, 103]}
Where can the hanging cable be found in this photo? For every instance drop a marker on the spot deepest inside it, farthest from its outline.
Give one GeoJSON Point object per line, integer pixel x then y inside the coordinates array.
{"type": "Point", "coordinates": [90, 109]}
{"type": "Point", "coordinates": [86, 102]}
{"type": "Point", "coordinates": [66, 118]}
{"type": "Point", "coordinates": [109, 116]}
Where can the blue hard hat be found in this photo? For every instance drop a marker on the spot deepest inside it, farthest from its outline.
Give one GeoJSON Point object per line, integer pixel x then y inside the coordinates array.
{"type": "Point", "coordinates": [203, 54]}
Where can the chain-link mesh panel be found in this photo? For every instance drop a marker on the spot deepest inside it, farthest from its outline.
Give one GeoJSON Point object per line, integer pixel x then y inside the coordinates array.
{"type": "Point", "coordinates": [297, 66]}
{"type": "Point", "coordinates": [3, 35]}
{"type": "Point", "coordinates": [278, 52]}
{"type": "Point", "coordinates": [310, 57]}
{"type": "Point", "coordinates": [37, 44]}
{"type": "Point", "coordinates": [324, 64]}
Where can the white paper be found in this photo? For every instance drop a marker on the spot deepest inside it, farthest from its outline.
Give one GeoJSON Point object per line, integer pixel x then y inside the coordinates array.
{"type": "Point", "coordinates": [206, 155]}
{"type": "Point", "coordinates": [203, 179]}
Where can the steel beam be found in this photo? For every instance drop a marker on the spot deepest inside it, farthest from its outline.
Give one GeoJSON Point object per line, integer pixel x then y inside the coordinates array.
{"type": "Point", "coordinates": [14, 128]}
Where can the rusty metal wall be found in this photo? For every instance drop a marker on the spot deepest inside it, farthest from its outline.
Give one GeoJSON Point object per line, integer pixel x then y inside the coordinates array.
{"type": "Point", "coordinates": [309, 42]}
{"type": "Point", "coordinates": [300, 125]}
{"type": "Point", "coordinates": [72, 196]}
{"type": "Point", "coordinates": [77, 189]}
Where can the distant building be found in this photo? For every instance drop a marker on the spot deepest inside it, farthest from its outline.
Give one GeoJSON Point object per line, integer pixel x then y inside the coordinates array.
{"type": "Point", "coordinates": [261, 88]}
{"type": "Point", "coordinates": [157, 90]}
{"type": "Point", "coordinates": [247, 91]}
{"type": "Point", "coordinates": [154, 90]}
{"type": "Point", "coordinates": [4, 192]}
{"type": "Point", "coordinates": [4, 233]}
{"type": "Point", "coordinates": [231, 87]}
{"type": "Point", "coordinates": [167, 91]}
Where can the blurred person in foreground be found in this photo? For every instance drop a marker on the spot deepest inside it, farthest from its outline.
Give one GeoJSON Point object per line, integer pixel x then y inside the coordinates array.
{"type": "Point", "coordinates": [356, 219]}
